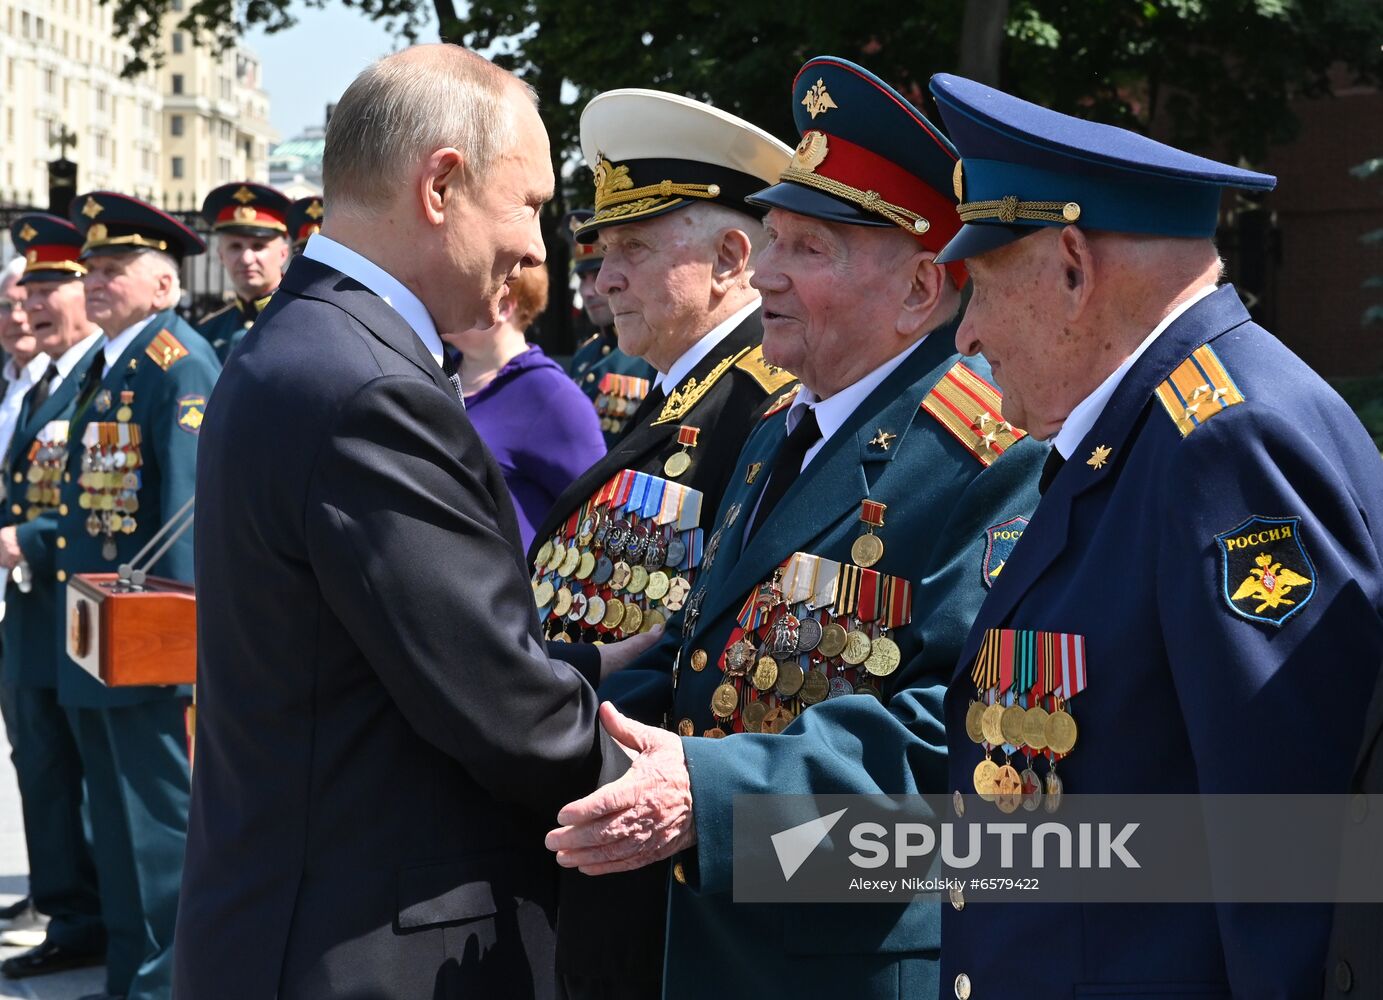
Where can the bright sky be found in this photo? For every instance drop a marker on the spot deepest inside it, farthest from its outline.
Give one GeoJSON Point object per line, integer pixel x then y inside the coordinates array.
{"type": "Point", "coordinates": [309, 65]}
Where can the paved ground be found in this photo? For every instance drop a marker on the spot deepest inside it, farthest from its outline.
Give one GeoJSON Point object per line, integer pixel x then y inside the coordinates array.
{"type": "Point", "coordinates": [14, 867]}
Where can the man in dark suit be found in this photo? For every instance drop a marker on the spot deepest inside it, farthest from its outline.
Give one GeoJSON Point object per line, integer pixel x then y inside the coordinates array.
{"type": "Point", "coordinates": [381, 733]}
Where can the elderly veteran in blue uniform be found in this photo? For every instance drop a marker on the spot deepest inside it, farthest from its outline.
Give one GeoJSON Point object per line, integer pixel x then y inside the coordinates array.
{"type": "Point", "coordinates": [851, 552]}
{"type": "Point", "coordinates": [1209, 539]}
{"type": "Point", "coordinates": [305, 220]}
{"type": "Point", "coordinates": [62, 876]}
{"type": "Point", "coordinates": [249, 223]}
{"type": "Point", "coordinates": [599, 355]}
{"type": "Point", "coordinates": [139, 409]}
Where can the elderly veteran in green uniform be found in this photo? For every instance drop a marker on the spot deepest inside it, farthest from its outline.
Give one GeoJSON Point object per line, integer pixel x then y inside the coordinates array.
{"type": "Point", "coordinates": [250, 223]}
{"type": "Point", "coordinates": [621, 547]}
{"type": "Point", "coordinates": [867, 519]}
{"type": "Point", "coordinates": [62, 875]}
{"type": "Point", "coordinates": [305, 220]}
{"type": "Point", "coordinates": [130, 464]}
{"type": "Point", "coordinates": [598, 356]}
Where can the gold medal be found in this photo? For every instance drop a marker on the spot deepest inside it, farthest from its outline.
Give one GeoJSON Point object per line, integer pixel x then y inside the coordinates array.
{"type": "Point", "coordinates": [658, 583]}
{"type": "Point", "coordinates": [724, 700]}
{"type": "Point", "coordinates": [595, 610]}
{"type": "Point", "coordinates": [1060, 730]}
{"type": "Point", "coordinates": [544, 554]}
{"type": "Point", "coordinates": [638, 580]}
{"type": "Point", "coordinates": [633, 619]}
{"type": "Point", "coordinates": [765, 673]}
{"type": "Point", "coordinates": [777, 719]}
{"type": "Point", "coordinates": [562, 604]}
{"type": "Point", "coordinates": [542, 593]}
{"type": "Point", "coordinates": [1035, 728]}
{"type": "Point", "coordinates": [651, 620]}
{"type": "Point", "coordinates": [555, 557]}
{"type": "Point", "coordinates": [753, 716]}
{"type": "Point", "coordinates": [698, 660]}
{"type": "Point", "coordinates": [619, 578]}
{"type": "Point", "coordinates": [614, 613]}
{"type": "Point", "coordinates": [1008, 789]}
{"type": "Point", "coordinates": [1011, 725]}
{"type": "Point", "coordinates": [569, 562]}
{"type": "Point", "coordinates": [867, 550]}
{"type": "Point", "coordinates": [685, 728]}
{"type": "Point", "coordinates": [790, 678]}
{"type": "Point", "coordinates": [586, 567]}
{"type": "Point", "coordinates": [985, 773]}
{"type": "Point", "coordinates": [972, 721]}
{"type": "Point", "coordinates": [832, 642]}
{"type": "Point", "coordinates": [989, 724]}
{"type": "Point", "coordinates": [884, 655]}
{"type": "Point", "coordinates": [715, 733]}
{"type": "Point", "coordinates": [815, 687]}
{"type": "Point", "coordinates": [676, 464]}
{"type": "Point", "coordinates": [1052, 800]}
{"type": "Point", "coordinates": [857, 648]}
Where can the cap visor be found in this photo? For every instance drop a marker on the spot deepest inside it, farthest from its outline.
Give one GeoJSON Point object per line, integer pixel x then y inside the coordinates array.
{"type": "Point", "coordinates": [974, 240]}
{"type": "Point", "coordinates": [814, 204]}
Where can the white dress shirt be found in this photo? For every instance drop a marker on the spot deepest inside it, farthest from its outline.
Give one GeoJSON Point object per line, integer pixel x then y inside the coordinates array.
{"type": "Point", "coordinates": [1084, 414]}
{"type": "Point", "coordinates": [116, 345]}
{"type": "Point", "coordinates": [395, 294]}
{"type": "Point", "coordinates": [69, 358]}
{"type": "Point", "coordinates": [18, 382]}
{"type": "Point", "coordinates": [694, 355]}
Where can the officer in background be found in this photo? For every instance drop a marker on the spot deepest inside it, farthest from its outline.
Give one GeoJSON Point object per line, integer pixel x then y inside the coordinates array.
{"type": "Point", "coordinates": [620, 549]}
{"type": "Point", "coordinates": [304, 220]}
{"type": "Point", "coordinates": [1209, 541]}
{"type": "Point", "coordinates": [62, 875]}
{"type": "Point", "coordinates": [867, 519]}
{"type": "Point", "coordinates": [130, 465]}
{"type": "Point", "coordinates": [250, 222]}
{"type": "Point", "coordinates": [599, 355]}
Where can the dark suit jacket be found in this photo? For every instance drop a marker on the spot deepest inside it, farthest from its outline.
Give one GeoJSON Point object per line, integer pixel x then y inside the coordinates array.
{"type": "Point", "coordinates": [382, 741]}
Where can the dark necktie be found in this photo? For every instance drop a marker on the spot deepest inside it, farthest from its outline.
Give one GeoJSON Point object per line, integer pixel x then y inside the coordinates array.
{"type": "Point", "coordinates": [38, 395]}
{"type": "Point", "coordinates": [90, 382]}
{"type": "Point", "coordinates": [449, 369]}
{"type": "Point", "coordinates": [1049, 470]}
{"type": "Point", "coordinates": [786, 467]}
{"type": "Point", "coordinates": [648, 406]}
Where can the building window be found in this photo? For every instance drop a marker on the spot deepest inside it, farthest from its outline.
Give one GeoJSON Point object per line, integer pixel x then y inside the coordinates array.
{"type": "Point", "coordinates": [177, 83]}
{"type": "Point", "coordinates": [177, 43]}
{"type": "Point", "coordinates": [50, 81]}
{"type": "Point", "coordinates": [177, 168]}
{"type": "Point", "coordinates": [176, 125]}
{"type": "Point", "coordinates": [100, 98]}
{"type": "Point", "coordinates": [9, 124]}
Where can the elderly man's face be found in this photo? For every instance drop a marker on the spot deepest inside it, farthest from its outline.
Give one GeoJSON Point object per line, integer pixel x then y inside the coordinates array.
{"type": "Point", "coordinates": [57, 313]}
{"type": "Point", "coordinates": [16, 337]}
{"type": "Point", "coordinates": [657, 276]}
{"type": "Point", "coordinates": [832, 296]}
{"type": "Point", "coordinates": [596, 305]}
{"type": "Point", "coordinates": [254, 264]}
{"type": "Point", "coordinates": [121, 289]}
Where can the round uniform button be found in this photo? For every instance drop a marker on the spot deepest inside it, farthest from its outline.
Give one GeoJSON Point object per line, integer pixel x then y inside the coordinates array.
{"type": "Point", "coordinates": [67, 477]}
{"type": "Point", "coordinates": [679, 873]}
{"type": "Point", "coordinates": [18, 477]}
{"type": "Point", "coordinates": [1344, 976]}
{"type": "Point", "coordinates": [16, 510]}
{"type": "Point", "coordinates": [962, 987]}
{"type": "Point", "coordinates": [62, 575]}
{"type": "Point", "coordinates": [590, 377]}
{"type": "Point", "coordinates": [62, 509]}
{"type": "Point", "coordinates": [62, 542]}
{"type": "Point", "coordinates": [605, 350]}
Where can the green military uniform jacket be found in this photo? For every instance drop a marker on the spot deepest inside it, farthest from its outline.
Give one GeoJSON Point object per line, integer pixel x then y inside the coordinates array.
{"type": "Point", "coordinates": [157, 389]}
{"type": "Point", "coordinates": [226, 328]}
{"type": "Point", "coordinates": [926, 443]}
{"type": "Point", "coordinates": [31, 618]}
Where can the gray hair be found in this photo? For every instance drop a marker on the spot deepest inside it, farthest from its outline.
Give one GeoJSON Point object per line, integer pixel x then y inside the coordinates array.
{"type": "Point", "coordinates": [404, 107]}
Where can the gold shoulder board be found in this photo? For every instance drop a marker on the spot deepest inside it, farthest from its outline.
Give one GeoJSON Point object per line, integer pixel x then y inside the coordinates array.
{"type": "Point", "coordinates": [771, 378]}
{"type": "Point", "coordinates": [681, 400]}
{"type": "Point", "coordinates": [1198, 389]}
{"type": "Point", "coordinates": [971, 409]}
{"type": "Point", "coordinates": [782, 402]}
{"type": "Point", "coordinates": [165, 350]}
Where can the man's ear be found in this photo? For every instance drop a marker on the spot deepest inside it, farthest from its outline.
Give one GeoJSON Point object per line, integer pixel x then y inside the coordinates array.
{"type": "Point", "coordinates": [731, 266]}
{"type": "Point", "coordinates": [923, 295]}
{"type": "Point", "coordinates": [1076, 263]}
{"type": "Point", "coordinates": [442, 177]}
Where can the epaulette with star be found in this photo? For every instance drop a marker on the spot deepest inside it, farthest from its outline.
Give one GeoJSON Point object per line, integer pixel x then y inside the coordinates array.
{"type": "Point", "coordinates": [971, 409]}
{"type": "Point", "coordinates": [165, 350]}
{"type": "Point", "coordinates": [771, 378]}
{"type": "Point", "coordinates": [782, 402]}
{"type": "Point", "coordinates": [1199, 388]}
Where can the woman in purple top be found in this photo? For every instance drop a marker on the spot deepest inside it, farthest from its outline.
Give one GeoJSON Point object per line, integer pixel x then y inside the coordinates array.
{"type": "Point", "coordinates": [541, 428]}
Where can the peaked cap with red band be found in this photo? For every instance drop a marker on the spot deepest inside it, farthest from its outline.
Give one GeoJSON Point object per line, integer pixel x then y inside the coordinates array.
{"type": "Point", "coordinates": [585, 257]}
{"type": "Point", "coordinates": [866, 157]}
{"type": "Point", "coordinates": [116, 223]}
{"type": "Point", "coordinates": [247, 209]}
{"type": "Point", "coordinates": [305, 219]}
{"type": "Point", "coordinates": [49, 245]}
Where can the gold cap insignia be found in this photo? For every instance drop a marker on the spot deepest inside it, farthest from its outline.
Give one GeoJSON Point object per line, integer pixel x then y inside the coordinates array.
{"type": "Point", "coordinates": [817, 101]}
{"type": "Point", "coordinates": [811, 151]}
{"type": "Point", "coordinates": [96, 233]}
{"type": "Point", "coordinates": [958, 181]}
{"type": "Point", "coordinates": [610, 179]}
{"type": "Point", "coordinates": [314, 210]}
{"type": "Point", "coordinates": [313, 230]}
{"type": "Point", "coordinates": [27, 233]}
{"type": "Point", "coordinates": [31, 256]}
{"type": "Point", "coordinates": [244, 195]}
{"type": "Point", "coordinates": [92, 208]}
{"type": "Point", "coordinates": [244, 214]}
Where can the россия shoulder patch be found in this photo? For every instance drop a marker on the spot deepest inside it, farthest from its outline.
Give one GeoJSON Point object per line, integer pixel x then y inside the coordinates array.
{"type": "Point", "coordinates": [1267, 574]}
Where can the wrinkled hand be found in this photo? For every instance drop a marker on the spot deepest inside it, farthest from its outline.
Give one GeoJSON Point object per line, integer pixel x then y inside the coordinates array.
{"type": "Point", "coordinates": [615, 656]}
{"type": "Point", "coordinates": [643, 817]}
{"type": "Point", "coordinates": [10, 554]}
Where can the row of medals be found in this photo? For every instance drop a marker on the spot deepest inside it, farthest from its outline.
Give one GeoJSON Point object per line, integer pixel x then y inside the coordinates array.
{"type": "Point", "coordinates": [800, 660]}
{"type": "Point", "coordinates": [614, 411]}
{"type": "Point", "coordinates": [1033, 731]}
{"type": "Point", "coordinates": [110, 482]}
{"type": "Point", "coordinates": [611, 556]}
{"type": "Point", "coordinates": [44, 492]}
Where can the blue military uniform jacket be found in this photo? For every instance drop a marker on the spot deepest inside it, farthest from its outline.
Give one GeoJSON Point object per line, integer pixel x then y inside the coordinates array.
{"type": "Point", "coordinates": [170, 370]}
{"type": "Point", "coordinates": [226, 328]}
{"type": "Point", "coordinates": [942, 495]}
{"type": "Point", "coordinates": [1216, 539]}
{"type": "Point", "coordinates": [31, 619]}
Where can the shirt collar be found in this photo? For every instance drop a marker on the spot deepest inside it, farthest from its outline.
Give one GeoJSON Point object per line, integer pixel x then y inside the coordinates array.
{"type": "Point", "coordinates": [29, 374]}
{"type": "Point", "coordinates": [1084, 414]}
{"type": "Point", "coordinates": [833, 411]}
{"type": "Point", "coordinates": [395, 293]}
{"type": "Point", "coordinates": [116, 345]}
{"type": "Point", "coordinates": [69, 358]}
{"type": "Point", "coordinates": [695, 354]}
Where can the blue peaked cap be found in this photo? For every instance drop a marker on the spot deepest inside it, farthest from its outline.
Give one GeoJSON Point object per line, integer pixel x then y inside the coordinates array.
{"type": "Point", "coordinates": [1024, 167]}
